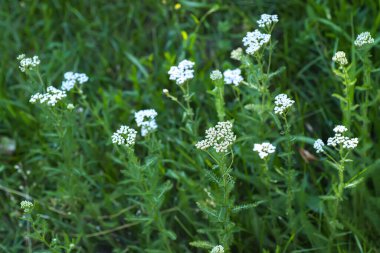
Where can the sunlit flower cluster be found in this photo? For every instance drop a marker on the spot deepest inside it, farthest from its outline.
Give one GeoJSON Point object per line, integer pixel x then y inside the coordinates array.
{"type": "Point", "coordinates": [340, 139]}
{"type": "Point", "coordinates": [340, 58]}
{"type": "Point", "coordinates": [72, 78]}
{"type": "Point", "coordinates": [264, 149]}
{"type": "Point", "coordinates": [27, 206]}
{"type": "Point", "coordinates": [216, 75]}
{"type": "Point", "coordinates": [220, 137]}
{"type": "Point", "coordinates": [183, 72]}
{"type": "Point", "coordinates": [237, 54]}
{"type": "Point", "coordinates": [146, 120]}
{"type": "Point", "coordinates": [124, 136]}
{"type": "Point", "coordinates": [217, 249]}
{"type": "Point", "coordinates": [282, 103]}
{"type": "Point", "coordinates": [255, 40]}
{"type": "Point", "coordinates": [363, 39]}
{"type": "Point", "coordinates": [50, 98]}
{"type": "Point", "coordinates": [233, 76]}
{"type": "Point", "coordinates": [267, 20]}
{"type": "Point", "coordinates": [318, 146]}
{"type": "Point", "coordinates": [28, 63]}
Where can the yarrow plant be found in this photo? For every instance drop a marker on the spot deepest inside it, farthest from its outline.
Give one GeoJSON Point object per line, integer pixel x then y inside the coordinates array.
{"type": "Point", "coordinates": [217, 249]}
{"type": "Point", "coordinates": [264, 149]}
{"type": "Point", "coordinates": [282, 104]}
{"type": "Point", "coordinates": [267, 20]}
{"type": "Point", "coordinates": [183, 72]}
{"type": "Point", "coordinates": [339, 139]}
{"type": "Point", "coordinates": [72, 78]}
{"type": "Point", "coordinates": [237, 54]}
{"type": "Point", "coordinates": [364, 39]}
{"type": "Point", "coordinates": [340, 58]}
{"type": "Point", "coordinates": [146, 120]}
{"type": "Point", "coordinates": [220, 137]}
{"type": "Point", "coordinates": [318, 146]}
{"type": "Point", "coordinates": [27, 206]}
{"type": "Point", "coordinates": [124, 136]}
{"type": "Point", "coordinates": [216, 75]}
{"type": "Point", "coordinates": [255, 40]}
{"type": "Point", "coordinates": [51, 98]}
{"type": "Point", "coordinates": [233, 76]}
{"type": "Point", "coordinates": [28, 63]}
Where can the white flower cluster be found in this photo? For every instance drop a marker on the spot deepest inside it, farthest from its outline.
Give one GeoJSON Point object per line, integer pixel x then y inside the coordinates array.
{"type": "Point", "coordinates": [27, 206]}
{"type": "Point", "coordinates": [318, 145]}
{"type": "Point", "coordinates": [233, 76]}
{"type": "Point", "coordinates": [217, 249]}
{"type": "Point", "coordinates": [146, 120]}
{"type": "Point", "coordinates": [282, 103]}
{"type": "Point", "coordinates": [28, 63]}
{"type": "Point", "coordinates": [264, 149]}
{"type": "Point", "coordinates": [267, 20]}
{"type": "Point", "coordinates": [183, 72]}
{"type": "Point", "coordinates": [340, 58]}
{"type": "Point", "coordinates": [216, 75]}
{"type": "Point", "coordinates": [219, 137]}
{"type": "Point", "coordinates": [51, 98]}
{"type": "Point", "coordinates": [124, 136]}
{"type": "Point", "coordinates": [237, 54]}
{"type": "Point", "coordinates": [363, 39]}
{"type": "Point", "coordinates": [340, 139]}
{"type": "Point", "coordinates": [254, 41]}
{"type": "Point", "coordinates": [71, 78]}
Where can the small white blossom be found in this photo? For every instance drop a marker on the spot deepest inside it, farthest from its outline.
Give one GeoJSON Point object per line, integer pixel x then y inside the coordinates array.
{"type": "Point", "coordinates": [267, 20]}
{"type": "Point", "coordinates": [340, 129]}
{"type": "Point", "coordinates": [183, 72]}
{"type": "Point", "coordinates": [216, 75]}
{"type": "Point", "coordinates": [27, 206]}
{"type": "Point", "coordinates": [28, 63]}
{"type": "Point", "coordinates": [237, 54]}
{"type": "Point", "coordinates": [124, 136]}
{"type": "Point", "coordinates": [219, 137]}
{"type": "Point", "coordinates": [217, 249]}
{"type": "Point", "coordinates": [340, 58]}
{"type": "Point", "coordinates": [71, 79]}
{"type": "Point", "coordinates": [351, 143]}
{"type": "Point", "coordinates": [264, 149]}
{"type": "Point", "coordinates": [233, 76]}
{"type": "Point", "coordinates": [51, 98]}
{"type": "Point", "coordinates": [340, 139]}
{"type": "Point", "coordinates": [255, 40]}
{"type": "Point", "coordinates": [165, 91]}
{"type": "Point", "coordinates": [70, 107]}
{"type": "Point", "coordinates": [318, 145]}
{"type": "Point", "coordinates": [363, 39]}
{"type": "Point", "coordinates": [282, 103]}
{"type": "Point", "coordinates": [146, 120]}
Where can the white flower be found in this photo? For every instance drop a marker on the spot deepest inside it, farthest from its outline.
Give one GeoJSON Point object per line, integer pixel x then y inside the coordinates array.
{"type": "Point", "coordinates": [351, 143]}
{"type": "Point", "coordinates": [318, 145]}
{"type": "Point", "coordinates": [264, 149]}
{"type": "Point", "coordinates": [27, 206]}
{"type": "Point", "coordinates": [237, 54]}
{"type": "Point", "coordinates": [340, 129]}
{"type": "Point", "coordinates": [70, 107]}
{"type": "Point", "coordinates": [254, 41]}
{"type": "Point", "coordinates": [282, 103]}
{"type": "Point", "coordinates": [51, 98]}
{"type": "Point", "coordinates": [183, 72]}
{"type": "Point", "coordinates": [233, 76]}
{"type": "Point", "coordinates": [28, 63]}
{"type": "Point", "coordinates": [165, 91]}
{"type": "Point", "coordinates": [217, 249]}
{"type": "Point", "coordinates": [71, 79]}
{"type": "Point", "coordinates": [340, 58]}
{"type": "Point", "coordinates": [340, 139]}
{"type": "Point", "coordinates": [216, 75]}
{"type": "Point", "coordinates": [267, 20]}
{"type": "Point", "coordinates": [363, 39]}
{"type": "Point", "coordinates": [124, 136]}
{"type": "Point", "coordinates": [219, 137]}
{"type": "Point", "coordinates": [146, 120]}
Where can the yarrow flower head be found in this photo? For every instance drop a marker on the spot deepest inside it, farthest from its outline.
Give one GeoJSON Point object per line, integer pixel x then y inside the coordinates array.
{"type": "Point", "coordinates": [27, 206]}
{"type": "Point", "coordinates": [363, 39]}
{"type": "Point", "coordinates": [216, 75]}
{"type": "Point", "coordinates": [124, 136]}
{"type": "Point", "coordinates": [233, 76]}
{"type": "Point", "coordinates": [28, 63]}
{"type": "Point", "coordinates": [72, 78]}
{"type": "Point", "coordinates": [282, 103]}
{"type": "Point", "coordinates": [146, 120]}
{"type": "Point", "coordinates": [267, 20]}
{"type": "Point", "coordinates": [254, 41]}
{"type": "Point", "coordinates": [183, 72]}
{"type": "Point", "coordinates": [237, 54]}
{"type": "Point", "coordinates": [220, 137]}
{"type": "Point", "coordinates": [264, 149]}
{"type": "Point", "coordinates": [340, 58]}
{"type": "Point", "coordinates": [318, 145]}
{"type": "Point", "coordinates": [51, 98]}
{"type": "Point", "coordinates": [217, 249]}
{"type": "Point", "coordinates": [340, 139]}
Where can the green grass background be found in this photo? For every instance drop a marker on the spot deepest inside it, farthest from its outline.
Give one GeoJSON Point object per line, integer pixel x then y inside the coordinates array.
{"type": "Point", "coordinates": [126, 48]}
